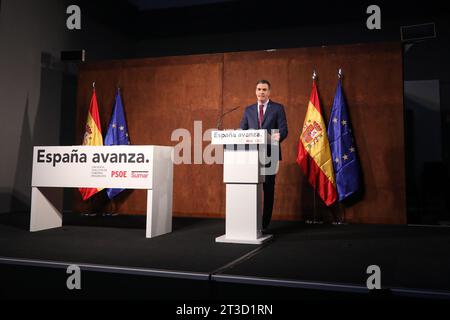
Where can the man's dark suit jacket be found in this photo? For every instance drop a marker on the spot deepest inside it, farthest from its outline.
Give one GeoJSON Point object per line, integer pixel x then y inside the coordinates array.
{"type": "Point", "coordinates": [274, 118]}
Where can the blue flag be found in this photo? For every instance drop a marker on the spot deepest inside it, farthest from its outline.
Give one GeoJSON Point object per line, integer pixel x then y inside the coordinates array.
{"type": "Point", "coordinates": [343, 149]}
{"type": "Point", "coordinates": [117, 134]}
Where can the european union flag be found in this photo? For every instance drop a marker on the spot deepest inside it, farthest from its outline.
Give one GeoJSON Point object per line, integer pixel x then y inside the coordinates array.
{"type": "Point", "coordinates": [343, 149]}
{"type": "Point", "coordinates": [117, 134]}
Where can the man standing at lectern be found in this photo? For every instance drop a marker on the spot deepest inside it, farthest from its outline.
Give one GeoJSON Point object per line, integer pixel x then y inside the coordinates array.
{"type": "Point", "coordinates": [269, 115]}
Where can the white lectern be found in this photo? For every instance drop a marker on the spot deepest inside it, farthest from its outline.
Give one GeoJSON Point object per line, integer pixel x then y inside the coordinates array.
{"type": "Point", "coordinates": [242, 173]}
{"type": "Point", "coordinates": [128, 167]}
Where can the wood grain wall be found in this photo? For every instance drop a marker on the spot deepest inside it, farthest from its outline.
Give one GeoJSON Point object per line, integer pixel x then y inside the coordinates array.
{"type": "Point", "coordinates": [163, 94]}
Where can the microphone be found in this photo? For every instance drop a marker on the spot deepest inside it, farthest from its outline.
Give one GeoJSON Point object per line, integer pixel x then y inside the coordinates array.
{"type": "Point", "coordinates": [219, 120]}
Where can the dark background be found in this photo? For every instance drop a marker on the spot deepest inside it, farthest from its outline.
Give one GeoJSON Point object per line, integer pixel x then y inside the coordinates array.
{"type": "Point", "coordinates": [38, 90]}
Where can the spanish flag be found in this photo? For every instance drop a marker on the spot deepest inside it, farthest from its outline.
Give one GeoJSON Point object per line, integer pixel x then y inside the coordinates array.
{"type": "Point", "coordinates": [92, 137]}
{"type": "Point", "coordinates": [314, 155]}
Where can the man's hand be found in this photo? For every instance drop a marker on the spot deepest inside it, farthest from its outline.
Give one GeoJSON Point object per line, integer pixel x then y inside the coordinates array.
{"type": "Point", "coordinates": [276, 136]}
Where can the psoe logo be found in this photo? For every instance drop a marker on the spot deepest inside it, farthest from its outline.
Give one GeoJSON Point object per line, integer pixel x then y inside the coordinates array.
{"type": "Point", "coordinates": [118, 174]}
{"type": "Point", "coordinates": [139, 174]}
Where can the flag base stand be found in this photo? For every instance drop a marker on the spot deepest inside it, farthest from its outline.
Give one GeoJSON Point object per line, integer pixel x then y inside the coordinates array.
{"type": "Point", "coordinates": [339, 223]}
{"type": "Point", "coordinates": [110, 214]}
{"type": "Point", "coordinates": [93, 214]}
{"type": "Point", "coordinates": [112, 209]}
{"type": "Point", "coordinates": [91, 210]}
{"type": "Point", "coordinates": [313, 222]}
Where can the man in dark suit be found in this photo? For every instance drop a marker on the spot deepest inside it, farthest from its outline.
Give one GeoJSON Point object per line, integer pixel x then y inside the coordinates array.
{"type": "Point", "coordinates": [269, 115]}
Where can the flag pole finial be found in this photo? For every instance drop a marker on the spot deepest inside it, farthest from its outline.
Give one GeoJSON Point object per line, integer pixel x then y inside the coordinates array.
{"type": "Point", "coordinates": [340, 75]}
{"type": "Point", "coordinates": [93, 85]}
{"type": "Point", "coordinates": [314, 75]}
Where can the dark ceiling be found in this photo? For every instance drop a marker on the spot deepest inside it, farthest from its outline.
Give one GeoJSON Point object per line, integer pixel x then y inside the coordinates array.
{"type": "Point", "coordinates": [143, 5]}
{"type": "Point", "coordinates": [167, 18]}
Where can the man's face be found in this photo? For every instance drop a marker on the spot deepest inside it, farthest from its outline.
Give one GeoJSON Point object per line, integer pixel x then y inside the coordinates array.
{"type": "Point", "coordinates": [262, 92]}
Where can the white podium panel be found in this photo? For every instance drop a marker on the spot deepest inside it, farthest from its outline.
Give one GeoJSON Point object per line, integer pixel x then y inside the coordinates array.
{"type": "Point", "coordinates": [241, 227]}
{"type": "Point", "coordinates": [243, 177]}
{"type": "Point", "coordinates": [127, 167]}
{"type": "Point", "coordinates": [241, 166]}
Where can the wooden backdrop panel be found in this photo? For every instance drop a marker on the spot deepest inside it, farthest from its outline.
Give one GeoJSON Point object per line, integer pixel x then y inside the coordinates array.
{"type": "Point", "coordinates": [160, 96]}
{"type": "Point", "coordinates": [163, 94]}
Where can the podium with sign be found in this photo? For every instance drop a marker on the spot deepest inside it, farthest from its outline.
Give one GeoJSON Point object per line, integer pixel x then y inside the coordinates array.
{"type": "Point", "coordinates": [127, 167]}
{"type": "Point", "coordinates": [244, 151]}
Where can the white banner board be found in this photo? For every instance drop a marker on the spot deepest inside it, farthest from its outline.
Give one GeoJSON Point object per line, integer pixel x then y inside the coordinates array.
{"type": "Point", "coordinates": [128, 167]}
{"type": "Point", "coordinates": [238, 137]}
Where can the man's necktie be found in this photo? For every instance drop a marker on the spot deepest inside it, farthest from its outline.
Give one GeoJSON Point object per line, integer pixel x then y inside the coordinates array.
{"type": "Point", "coordinates": [261, 115]}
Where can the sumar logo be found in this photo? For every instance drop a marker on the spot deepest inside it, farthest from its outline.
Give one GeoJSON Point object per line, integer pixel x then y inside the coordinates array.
{"type": "Point", "coordinates": [139, 174]}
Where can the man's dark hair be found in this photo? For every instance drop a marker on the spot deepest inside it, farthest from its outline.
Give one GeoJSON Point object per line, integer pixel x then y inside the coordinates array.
{"type": "Point", "coordinates": [262, 81]}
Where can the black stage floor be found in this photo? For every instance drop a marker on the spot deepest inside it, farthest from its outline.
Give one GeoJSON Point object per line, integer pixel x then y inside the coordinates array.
{"type": "Point", "coordinates": [302, 262]}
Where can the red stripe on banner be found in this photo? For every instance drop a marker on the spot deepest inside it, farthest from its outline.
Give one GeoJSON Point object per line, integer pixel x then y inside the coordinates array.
{"type": "Point", "coordinates": [316, 176]}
